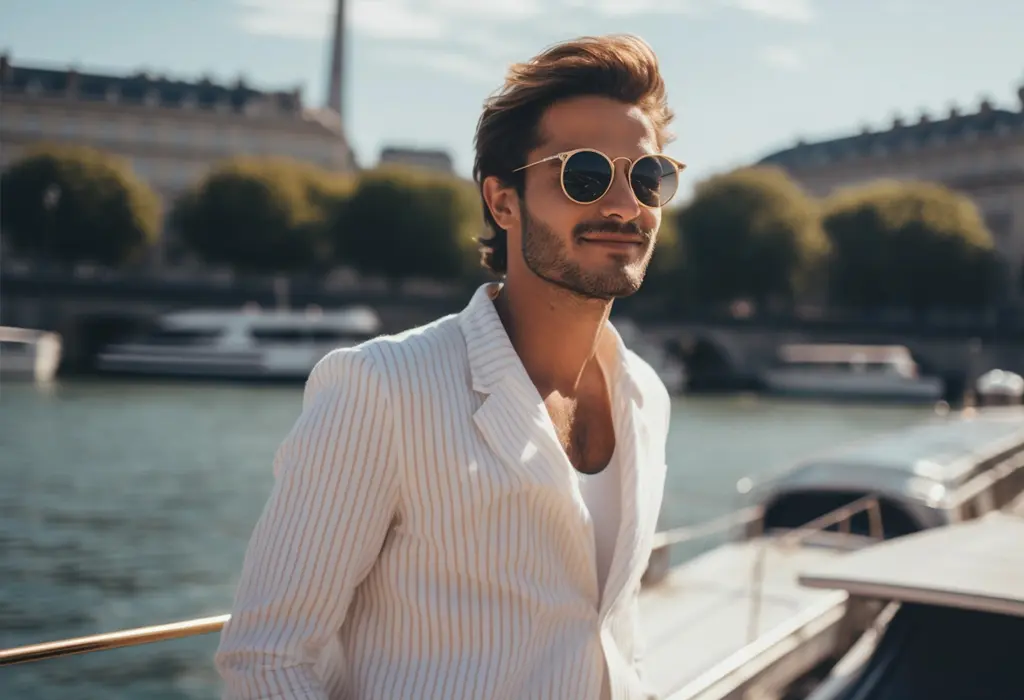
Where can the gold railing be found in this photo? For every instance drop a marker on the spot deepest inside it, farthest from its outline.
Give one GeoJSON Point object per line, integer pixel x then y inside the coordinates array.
{"type": "Point", "coordinates": [841, 516]}
{"type": "Point", "coordinates": [112, 640]}
{"type": "Point", "coordinates": [662, 543]}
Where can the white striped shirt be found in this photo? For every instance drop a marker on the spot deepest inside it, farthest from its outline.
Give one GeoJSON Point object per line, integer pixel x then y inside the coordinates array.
{"type": "Point", "coordinates": [425, 537]}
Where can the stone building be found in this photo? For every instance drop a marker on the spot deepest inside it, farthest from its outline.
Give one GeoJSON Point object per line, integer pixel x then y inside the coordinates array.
{"type": "Point", "coordinates": [427, 158]}
{"type": "Point", "coordinates": [170, 131]}
{"type": "Point", "coordinates": [978, 152]}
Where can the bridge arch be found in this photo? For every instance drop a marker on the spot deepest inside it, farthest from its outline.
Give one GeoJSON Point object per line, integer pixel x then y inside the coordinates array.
{"type": "Point", "coordinates": [710, 363]}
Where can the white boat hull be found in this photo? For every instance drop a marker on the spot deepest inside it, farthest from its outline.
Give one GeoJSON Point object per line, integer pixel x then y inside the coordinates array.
{"type": "Point", "coordinates": [29, 355]}
{"type": "Point", "coordinates": [853, 385]}
{"type": "Point", "coordinates": [712, 620]}
{"type": "Point", "coordinates": [288, 363]}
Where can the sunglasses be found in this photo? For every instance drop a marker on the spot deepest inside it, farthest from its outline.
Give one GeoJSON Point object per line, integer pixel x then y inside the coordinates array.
{"type": "Point", "coordinates": [587, 175]}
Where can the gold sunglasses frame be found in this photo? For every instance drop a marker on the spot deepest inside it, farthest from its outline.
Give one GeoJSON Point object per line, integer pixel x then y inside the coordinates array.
{"type": "Point", "coordinates": [564, 156]}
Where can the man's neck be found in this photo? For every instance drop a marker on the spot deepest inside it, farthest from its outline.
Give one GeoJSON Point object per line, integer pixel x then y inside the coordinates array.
{"type": "Point", "coordinates": [557, 334]}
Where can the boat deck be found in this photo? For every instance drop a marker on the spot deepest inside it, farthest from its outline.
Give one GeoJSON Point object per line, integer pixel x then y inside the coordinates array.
{"type": "Point", "coordinates": [698, 619]}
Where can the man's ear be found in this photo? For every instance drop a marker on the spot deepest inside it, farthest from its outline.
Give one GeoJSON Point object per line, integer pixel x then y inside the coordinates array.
{"type": "Point", "coordinates": [503, 202]}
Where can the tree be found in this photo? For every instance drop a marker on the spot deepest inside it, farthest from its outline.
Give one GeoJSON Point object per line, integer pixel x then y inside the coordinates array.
{"type": "Point", "coordinates": [749, 234]}
{"type": "Point", "coordinates": [261, 215]}
{"type": "Point", "coordinates": [913, 245]}
{"type": "Point", "coordinates": [408, 223]}
{"type": "Point", "coordinates": [666, 263]}
{"type": "Point", "coordinates": [74, 204]}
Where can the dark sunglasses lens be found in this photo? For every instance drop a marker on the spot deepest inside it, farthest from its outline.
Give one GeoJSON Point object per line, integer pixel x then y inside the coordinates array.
{"type": "Point", "coordinates": [586, 176]}
{"type": "Point", "coordinates": [654, 181]}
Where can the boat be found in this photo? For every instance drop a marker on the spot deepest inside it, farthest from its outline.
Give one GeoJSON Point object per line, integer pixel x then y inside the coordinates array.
{"type": "Point", "coordinates": [28, 354]}
{"type": "Point", "coordinates": [997, 387]}
{"type": "Point", "coordinates": [247, 343]}
{"type": "Point", "coordinates": [954, 604]}
{"type": "Point", "coordinates": [870, 372]}
{"type": "Point", "coordinates": [736, 619]}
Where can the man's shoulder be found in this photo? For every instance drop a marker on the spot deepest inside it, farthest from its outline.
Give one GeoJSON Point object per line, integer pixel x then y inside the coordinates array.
{"type": "Point", "coordinates": [398, 355]}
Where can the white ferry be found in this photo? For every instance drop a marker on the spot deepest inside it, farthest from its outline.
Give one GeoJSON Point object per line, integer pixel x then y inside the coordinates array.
{"type": "Point", "coordinates": [249, 343]}
{"type": "Point", "coordinates": [29, 354]}
{"type": "Point", "coordinates": [735, 621]}
{"type": "Point", "coordinates": [851, 371]}
{"type": "Point", "coordinates": [953, 618]}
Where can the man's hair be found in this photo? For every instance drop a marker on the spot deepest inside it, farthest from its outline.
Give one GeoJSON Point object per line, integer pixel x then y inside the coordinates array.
{"type": "Point", "coordinates": [619, 67]}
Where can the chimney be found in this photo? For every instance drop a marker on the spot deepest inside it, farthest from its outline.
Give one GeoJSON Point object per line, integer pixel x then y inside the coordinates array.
{"type": "Point", "coordinates": [6, 70]}
{"type": "Point", "coordinates": [72, 83]}
{"type": "Point", "coordinates": [336, 84]}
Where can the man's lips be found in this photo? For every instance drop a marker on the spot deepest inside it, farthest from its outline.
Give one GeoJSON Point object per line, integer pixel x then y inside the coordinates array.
{"type": "Point", "coordinates": [614, 238]}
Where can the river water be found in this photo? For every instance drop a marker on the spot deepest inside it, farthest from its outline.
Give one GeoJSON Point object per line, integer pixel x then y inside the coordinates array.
{"type": "Point", "coordinates": [127, 504]}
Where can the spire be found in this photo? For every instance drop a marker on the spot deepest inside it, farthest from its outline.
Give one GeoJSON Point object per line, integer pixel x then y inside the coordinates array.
{"type": "Point", "coordinates": [336, 84]}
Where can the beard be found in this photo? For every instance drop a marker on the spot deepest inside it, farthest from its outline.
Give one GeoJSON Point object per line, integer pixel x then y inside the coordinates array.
{"type": "Point", "coordinates": [547, 255]}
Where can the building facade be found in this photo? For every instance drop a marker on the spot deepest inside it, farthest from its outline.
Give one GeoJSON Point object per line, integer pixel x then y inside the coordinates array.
{"type": "Point", "coordinates": [428, 159]}
{"type": "Point", "coordinates": [979, 153]}
{"type": "Point", "coordinates": [171, 132]}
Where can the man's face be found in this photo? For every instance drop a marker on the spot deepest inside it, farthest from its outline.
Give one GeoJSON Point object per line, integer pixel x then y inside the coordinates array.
{"type": "Point", "coordinates": [599, 250]}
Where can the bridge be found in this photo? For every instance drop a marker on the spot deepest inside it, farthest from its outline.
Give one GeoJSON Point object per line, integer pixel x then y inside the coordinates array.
{"type": "Point", "coordinates": [720, 351]}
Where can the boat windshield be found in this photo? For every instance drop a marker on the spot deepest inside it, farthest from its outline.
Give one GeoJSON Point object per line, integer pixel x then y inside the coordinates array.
{"type": "Point", "coordinates": [941, 653]}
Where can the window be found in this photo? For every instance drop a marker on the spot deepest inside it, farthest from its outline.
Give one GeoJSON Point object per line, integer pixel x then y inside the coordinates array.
{"type": "Point", "coordinates": [939, 653]}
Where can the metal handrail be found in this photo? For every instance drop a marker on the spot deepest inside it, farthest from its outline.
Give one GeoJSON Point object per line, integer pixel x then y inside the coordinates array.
{"type": "Point", "coordinates": [112, 640]}
{"type": "Point", "coordinates": [840, 516]}
{"type": "Point", "coordinates": [687, 533]}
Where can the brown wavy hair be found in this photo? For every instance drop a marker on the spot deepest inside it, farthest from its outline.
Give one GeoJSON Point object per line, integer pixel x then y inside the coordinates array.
{"type": "Point", "coordinates": [621, 67]}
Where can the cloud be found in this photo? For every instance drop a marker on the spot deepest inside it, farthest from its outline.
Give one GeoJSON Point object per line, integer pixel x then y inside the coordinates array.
{"type": "Point", "coordinates": [785, 57]}
{"type": "Point", "coordinates": [451, 63]}
{"type": "Point", "coordinates": [798, 11]}
{"type": "Point", "coordinates": [469, 38]}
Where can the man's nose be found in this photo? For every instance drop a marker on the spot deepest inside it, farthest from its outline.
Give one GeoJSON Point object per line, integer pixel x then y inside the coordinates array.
{"type": "Point", "coordinates": [620, 202]}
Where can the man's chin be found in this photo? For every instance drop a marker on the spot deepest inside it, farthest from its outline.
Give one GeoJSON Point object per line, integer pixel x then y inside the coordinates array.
{"type": "Point", "coordinates": [608, 292]}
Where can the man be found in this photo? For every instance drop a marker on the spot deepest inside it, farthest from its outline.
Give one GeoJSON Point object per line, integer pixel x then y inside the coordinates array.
{"type": "Point", "coordinates": [465, 510]}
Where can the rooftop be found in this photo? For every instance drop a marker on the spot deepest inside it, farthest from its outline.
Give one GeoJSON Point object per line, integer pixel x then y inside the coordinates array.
{"type": "Point", "coordinates": [144, 88]}
{"type": "Point", "coordinates": [955, 126]}
{"type": "Point", "coordinates": [977, 565]}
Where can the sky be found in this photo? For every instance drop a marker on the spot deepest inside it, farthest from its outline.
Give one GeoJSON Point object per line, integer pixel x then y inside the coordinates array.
{"type": "Point", "coordinates": [745, 77]}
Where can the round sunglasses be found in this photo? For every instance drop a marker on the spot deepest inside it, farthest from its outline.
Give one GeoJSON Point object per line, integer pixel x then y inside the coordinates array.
{"type": "Point", "coordinates": [587, 175]}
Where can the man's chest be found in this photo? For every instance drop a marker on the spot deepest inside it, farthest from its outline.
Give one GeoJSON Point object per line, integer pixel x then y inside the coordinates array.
{"type": "Point", "coordinates": [502, 508]}
{"type": "Point", "coordinates": [585, 431]}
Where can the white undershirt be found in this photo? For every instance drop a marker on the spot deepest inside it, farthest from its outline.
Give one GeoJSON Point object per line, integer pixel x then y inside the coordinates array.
{"type": "Point", "coordinates": [602, 494]}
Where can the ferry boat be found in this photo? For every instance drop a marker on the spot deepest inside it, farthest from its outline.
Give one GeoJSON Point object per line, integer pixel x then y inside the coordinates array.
{"type": "Point", "coordinates": [248, 343]}
{"type": "Point", "coordinates": [738, 621]}
{"type": "Point", "coordinates": [954, 603]}
{"type": "Point", "coordinates": [29, 354]}
{"type": "Point", "coordinates": [873, 372]}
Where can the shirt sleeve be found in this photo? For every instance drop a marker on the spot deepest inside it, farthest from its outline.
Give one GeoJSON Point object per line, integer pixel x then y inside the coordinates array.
{"type": "Point", "coordinates": [320, 533]}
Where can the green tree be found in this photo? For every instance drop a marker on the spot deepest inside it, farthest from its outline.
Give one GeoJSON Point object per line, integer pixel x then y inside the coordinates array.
{"type": "Point", "coordinates": [401, 223]}
{"type": "Point", "coordinates": [749, 234]}
{"type": "Point", "coordinates": [913, 245]}
{"type": "Point", "coordinates": [73, 204]}
{"type": "Point", "coordinates": [261, 215]}
{"type": "Point", "coordinates": [666, 264]}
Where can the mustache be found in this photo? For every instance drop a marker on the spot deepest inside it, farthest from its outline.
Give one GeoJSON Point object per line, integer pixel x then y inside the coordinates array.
{"type": "Point", "coordinates": [628, 228]}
